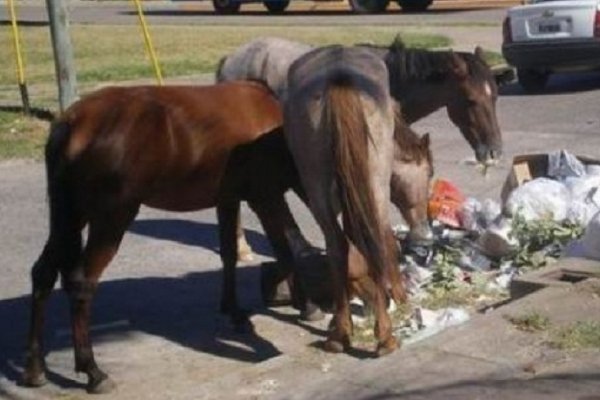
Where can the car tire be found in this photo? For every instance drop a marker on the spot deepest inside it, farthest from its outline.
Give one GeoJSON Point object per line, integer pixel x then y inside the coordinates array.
{"type": "Point", "coordinates": [369, 6]}
{"type": "Point", "coordinates": [276, 6]}
{"type": "Point", "coordinates": [226, 6]}
{"type": "Point", "coordinates": [532, 80]}
{"type": "Point", "coordinates": [414, 5]}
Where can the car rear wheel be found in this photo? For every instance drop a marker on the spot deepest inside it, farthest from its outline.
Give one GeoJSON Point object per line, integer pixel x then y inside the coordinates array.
{"type": "Point", "coordinates": [414, 5]}
{"type": "Point", "coordinates": [277, 6]}
{"type": "Point", "coordinates": [369, 6]}
{"type": "Point", "coordinates": [532, 80]}
{"type": "Point", "coordinates": [226, 6]}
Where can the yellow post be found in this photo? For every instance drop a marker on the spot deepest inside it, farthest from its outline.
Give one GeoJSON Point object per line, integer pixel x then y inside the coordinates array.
{"type": "Point", "coordinates": [148, 41]}
{"type": "Point", "coordinates": [18, 56]}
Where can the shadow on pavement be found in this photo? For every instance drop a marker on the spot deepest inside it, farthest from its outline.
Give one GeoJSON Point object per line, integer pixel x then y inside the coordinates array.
{"type": "Point", "coordinates": [183, 310]}
{"type": "Point", "coordinates": [566, 83]}
{"type": "Point", "coordinates": [205, 235]}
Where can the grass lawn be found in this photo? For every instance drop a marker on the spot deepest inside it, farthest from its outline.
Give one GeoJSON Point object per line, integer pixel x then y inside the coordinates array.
{"type": "Point", "coordinates": [114, 53]}
{"type": "Point", "coordinates": [105, 54]}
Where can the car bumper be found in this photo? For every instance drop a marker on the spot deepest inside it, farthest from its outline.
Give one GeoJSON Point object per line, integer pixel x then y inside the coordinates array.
{"type": "Point", "coordinates": [552, 55]}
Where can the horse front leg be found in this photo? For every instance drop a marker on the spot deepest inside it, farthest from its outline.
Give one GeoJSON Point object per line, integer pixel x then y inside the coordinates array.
{"type": "Point", "coordinates": [228, 217]}
{"type": "Point", "coordinates": [290, 248]}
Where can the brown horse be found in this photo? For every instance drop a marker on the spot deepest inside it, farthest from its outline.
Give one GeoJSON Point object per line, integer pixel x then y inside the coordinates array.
{"type": "Point", "coordinates": [340, 124]}
{"type": "Point", "coordinates": [174, 148]}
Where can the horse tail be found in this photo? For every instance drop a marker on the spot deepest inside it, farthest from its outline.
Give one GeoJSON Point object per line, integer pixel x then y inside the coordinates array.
{"type": "Point", "coordinates": [65, 224]}
{"type": "Point", "coordinates": [344, 117]}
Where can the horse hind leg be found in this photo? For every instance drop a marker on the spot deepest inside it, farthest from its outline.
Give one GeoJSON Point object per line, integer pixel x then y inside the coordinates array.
{"type": "Point", "coordinates": [105, 234]}
{"type": "Point", "coordinates": [60, 252]}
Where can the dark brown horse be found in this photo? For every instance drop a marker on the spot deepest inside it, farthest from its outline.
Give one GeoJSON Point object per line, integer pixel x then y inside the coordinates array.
{"type": "Point", "coordinates": [424, 81]}
{"type": "Point", "coordinates": [174, 148]}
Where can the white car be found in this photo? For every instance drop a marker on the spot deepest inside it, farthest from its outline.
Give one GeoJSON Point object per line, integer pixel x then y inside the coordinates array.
{"type": "Point", "coordinates": [547, 36]}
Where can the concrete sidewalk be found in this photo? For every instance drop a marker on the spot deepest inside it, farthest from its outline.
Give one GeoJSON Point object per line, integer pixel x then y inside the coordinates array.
{"type": "Point", "coordinates": [486, 358]}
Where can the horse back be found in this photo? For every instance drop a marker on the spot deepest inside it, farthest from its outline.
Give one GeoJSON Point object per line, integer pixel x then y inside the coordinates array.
{"type": "Point", "coordinates": [317, 68]}
{"type": "Point", "coordinates": [168, 146]}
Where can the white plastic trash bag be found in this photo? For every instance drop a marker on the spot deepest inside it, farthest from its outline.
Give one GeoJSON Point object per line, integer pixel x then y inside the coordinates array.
{"type": "Point", "coordinates": [469, 215]}
{"type": "Point", "coordinates": [585, 198]}
{"type": "Point", "coordinates": [539, 199]}
{"type": "Point", "coordinates": [562, 164]}
{"type": "Point", "coordinates": [477, 216]}
{"type": "Point", "coordinates": [591, 238]}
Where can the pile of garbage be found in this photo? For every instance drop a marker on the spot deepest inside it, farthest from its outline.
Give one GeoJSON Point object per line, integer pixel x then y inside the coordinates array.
{"type": "Point", "coordinates": [480, 246]}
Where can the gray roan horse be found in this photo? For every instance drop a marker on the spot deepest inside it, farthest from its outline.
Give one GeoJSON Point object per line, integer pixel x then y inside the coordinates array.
{"type": "Point", "coordinates": [339, 122]}
{"type": "Point", "coordinates": [422, 81]}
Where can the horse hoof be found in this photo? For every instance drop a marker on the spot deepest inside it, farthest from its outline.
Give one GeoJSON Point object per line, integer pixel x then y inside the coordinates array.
{"type": "Point", "coordinates": [387, 347]}
{"type": "Point", "coordinates": [312, 315]}
{"type": "Point", "coordinates": [334, 346]}
{"type": "Point", "coordinates": [102, 386]}
{"type": "Point", "coordinates": [34, 379]}
{"type": "Point", "coordinates": [243, 325]}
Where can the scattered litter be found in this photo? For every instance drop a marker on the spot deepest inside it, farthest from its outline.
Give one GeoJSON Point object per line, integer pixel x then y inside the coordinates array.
{"type": "Point", "coordinates": [265, 387]}
{"type": "Point", "coordinates": [476, 216]}
{"type": "Point", "coordinates": [325, 367]}
{"type": "Point", "coordinates": [479, 247]}
{"type": "Point", "coordinates": [472, 259]}
{"type": "Point", "coordinates": [497, 241]}
{"type": "Point", "coordinates": [445, 203]}
{"type": "Point", "coordinates": [425, 323]}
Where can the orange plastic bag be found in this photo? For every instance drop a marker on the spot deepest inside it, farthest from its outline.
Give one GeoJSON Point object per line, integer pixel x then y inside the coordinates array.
{"type": "Point", "coordinates": [445, 203]}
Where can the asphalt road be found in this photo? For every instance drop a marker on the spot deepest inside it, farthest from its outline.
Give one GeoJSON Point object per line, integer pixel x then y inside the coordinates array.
{"type": "Point", "coordinates": [155, 314]}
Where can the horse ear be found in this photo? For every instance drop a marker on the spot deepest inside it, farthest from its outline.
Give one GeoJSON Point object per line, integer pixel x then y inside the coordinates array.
{"type": "Point", "coordinates": [479, 53]}
{"type": "Point", "coordinates": [398, 43]}
{"type": "Point", "coordinates": [458, 66]}
{"type": "Point", "coordinates": [425, 141]}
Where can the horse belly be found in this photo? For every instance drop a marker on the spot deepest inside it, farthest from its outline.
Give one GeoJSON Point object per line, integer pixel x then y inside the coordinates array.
{"type": "Point", "coordinates": [185, 196]}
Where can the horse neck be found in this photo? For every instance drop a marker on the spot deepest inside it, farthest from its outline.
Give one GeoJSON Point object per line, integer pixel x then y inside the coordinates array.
{"type": "Point", "coordinates": [418, 93]}
{"type": "Point", "coordinates": [419, 98]}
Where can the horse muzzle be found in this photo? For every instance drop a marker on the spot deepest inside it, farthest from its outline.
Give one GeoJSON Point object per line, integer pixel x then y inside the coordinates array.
{"type": "Point", "coordinates": [487, 155]}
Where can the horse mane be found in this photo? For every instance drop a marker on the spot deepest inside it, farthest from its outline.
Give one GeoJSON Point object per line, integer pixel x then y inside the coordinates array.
{"type": "Point", "coordinates": [219, 69]}
{"type": "Point", "coordinates": [408, 140]}
{"type": "Point", "coordinates": [408, 65]}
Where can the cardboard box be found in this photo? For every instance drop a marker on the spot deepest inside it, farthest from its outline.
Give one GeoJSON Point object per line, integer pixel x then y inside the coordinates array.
{"type": "Point", "coordinates": [526, 167]}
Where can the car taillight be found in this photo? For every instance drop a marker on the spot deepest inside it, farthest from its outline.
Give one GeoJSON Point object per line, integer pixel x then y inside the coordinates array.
{"type": "Point", "coordinates": [597, 22]}
{"type": "Point", "coordinates": [507, 33]}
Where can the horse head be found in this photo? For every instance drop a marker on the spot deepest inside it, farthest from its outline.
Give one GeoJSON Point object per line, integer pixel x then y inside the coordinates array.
{"type": "Point", "coordinates": [412, 170]}
{"type": "Point", "coordinates": [472, 104]}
